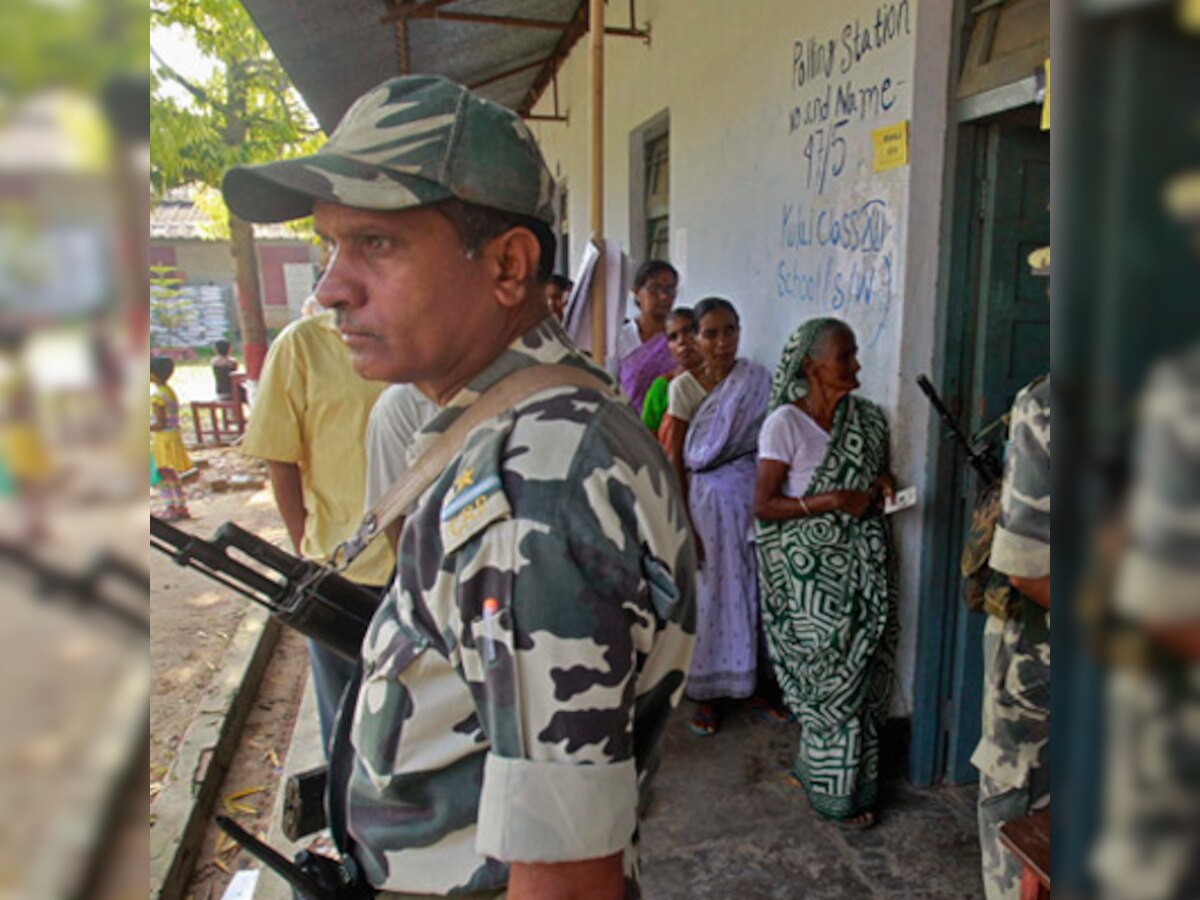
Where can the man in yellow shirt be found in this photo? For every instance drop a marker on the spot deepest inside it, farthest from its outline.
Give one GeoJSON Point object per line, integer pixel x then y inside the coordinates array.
{"type": "Point", "coordinates": [309, 423]}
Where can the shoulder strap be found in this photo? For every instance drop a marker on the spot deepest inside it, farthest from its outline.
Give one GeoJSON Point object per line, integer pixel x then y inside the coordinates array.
{"type": "Point", "coordinates": [408, 488]}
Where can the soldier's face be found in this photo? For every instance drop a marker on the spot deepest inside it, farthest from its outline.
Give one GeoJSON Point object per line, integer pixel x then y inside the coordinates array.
{"type": "Point", "coordinates": [409, 300]}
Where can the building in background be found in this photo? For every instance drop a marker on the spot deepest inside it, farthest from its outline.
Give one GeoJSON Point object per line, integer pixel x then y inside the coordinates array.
{"type": "Point", "coordinates": [183, 252]}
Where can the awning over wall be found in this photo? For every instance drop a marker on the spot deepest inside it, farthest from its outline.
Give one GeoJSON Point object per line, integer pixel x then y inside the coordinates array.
{"type": "Point", "coordinates": [506, 50]}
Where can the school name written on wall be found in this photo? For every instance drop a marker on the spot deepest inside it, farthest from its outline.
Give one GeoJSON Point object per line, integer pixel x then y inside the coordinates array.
{"type": "Point", "coordinates": [851, 272]}
{"type": "Point", "coordinates": [827, 70]}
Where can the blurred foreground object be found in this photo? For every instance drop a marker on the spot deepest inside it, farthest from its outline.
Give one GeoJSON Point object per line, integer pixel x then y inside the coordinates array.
{"type": "Point", "coordinates": [1126, 297]}
{"type": "Point", "coordinates": [1150, 843]}
{"type": "Point", "coordinates": [73, 672]}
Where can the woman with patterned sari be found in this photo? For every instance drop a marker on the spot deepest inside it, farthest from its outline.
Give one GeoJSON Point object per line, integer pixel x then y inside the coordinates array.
{"type": "Point", "coordinates": [825, 566]}
{"type": "Point", "coordinates": [714, 439]}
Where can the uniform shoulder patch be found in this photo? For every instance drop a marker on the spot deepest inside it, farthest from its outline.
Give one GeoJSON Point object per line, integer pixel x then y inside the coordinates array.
{"type": "Point", "coordinates": [476, 497]}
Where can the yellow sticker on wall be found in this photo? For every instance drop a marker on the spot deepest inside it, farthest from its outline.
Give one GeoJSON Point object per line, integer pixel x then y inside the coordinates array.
{"type": "Point", "coordinates": [1046, 101]}
{"type": "Point", "coordinates": [891, 146]}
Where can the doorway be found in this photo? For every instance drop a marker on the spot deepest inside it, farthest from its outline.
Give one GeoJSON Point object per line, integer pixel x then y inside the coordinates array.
{"type": "Point", "coordinates": [997, 339]}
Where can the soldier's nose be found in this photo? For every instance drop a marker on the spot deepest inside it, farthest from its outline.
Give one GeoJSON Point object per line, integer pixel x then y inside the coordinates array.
{"type": "Point", "coordinates": [336, 290]}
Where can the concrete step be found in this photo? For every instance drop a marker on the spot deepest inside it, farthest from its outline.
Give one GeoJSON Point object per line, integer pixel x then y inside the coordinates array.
{"type": "Point", "coordinates": [304, 753]}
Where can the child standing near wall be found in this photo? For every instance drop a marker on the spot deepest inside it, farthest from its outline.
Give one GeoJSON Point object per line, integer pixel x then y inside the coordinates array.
{"type": "Point", "coordinates": [223, 366]}
{"type": "Point", "coordinates": [167, 443]}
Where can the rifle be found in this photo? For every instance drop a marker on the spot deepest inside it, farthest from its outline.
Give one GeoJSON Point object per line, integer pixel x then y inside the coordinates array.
{"type": "Point", "coordinates": [312, 876]}
{"type": "Point", "coordinates": [309, 597]}
{"type": "Point", "coordinates": [96, 587]}
{"type": "Point", "coordinates": [979, 449]}
{"type": "Point", "coordinates": [984, 589]}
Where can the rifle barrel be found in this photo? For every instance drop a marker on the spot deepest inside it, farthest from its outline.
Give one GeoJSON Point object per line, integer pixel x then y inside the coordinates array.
{"type": "Point", "coordinates": [982, 463]}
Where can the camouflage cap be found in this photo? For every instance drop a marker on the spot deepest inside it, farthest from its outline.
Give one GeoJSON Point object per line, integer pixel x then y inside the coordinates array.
{"type": "Point", "coordinates": [409, 142]}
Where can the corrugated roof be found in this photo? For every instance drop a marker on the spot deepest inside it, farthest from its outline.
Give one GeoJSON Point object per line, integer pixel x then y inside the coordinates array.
{"type": "Point", "coordinates": [335, 51]}
{"type": "Point", "coordinates": [174, 218]}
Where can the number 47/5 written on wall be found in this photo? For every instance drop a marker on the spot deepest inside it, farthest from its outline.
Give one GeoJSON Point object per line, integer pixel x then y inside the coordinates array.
{"type": "Point", "coordinates": [825, 154]}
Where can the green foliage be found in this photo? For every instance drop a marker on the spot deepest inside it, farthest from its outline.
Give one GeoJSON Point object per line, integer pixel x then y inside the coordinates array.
{"type": "Point", "coordinates": [169, 309]}
{"type": "Point", "coordinates": [246, 112]}
{"type": "Point", "coordinates": [69, 45]}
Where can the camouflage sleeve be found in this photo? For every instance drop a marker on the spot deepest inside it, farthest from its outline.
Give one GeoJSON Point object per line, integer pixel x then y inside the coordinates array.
{"type": "Point", "coordinates": [576, 621]}
{"type": "Point", "coordinates": [1021, 546]}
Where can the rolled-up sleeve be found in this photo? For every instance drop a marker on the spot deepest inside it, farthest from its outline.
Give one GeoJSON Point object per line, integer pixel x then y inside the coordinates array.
{"type": "Point", "coordinates": [550, 812]}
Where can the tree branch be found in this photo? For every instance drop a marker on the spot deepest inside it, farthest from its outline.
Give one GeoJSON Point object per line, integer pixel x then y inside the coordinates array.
{"type": "Point", "coordinates": [199, 93]}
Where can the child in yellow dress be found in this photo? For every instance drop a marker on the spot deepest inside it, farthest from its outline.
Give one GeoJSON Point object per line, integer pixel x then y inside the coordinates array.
{"type": "Point", "coordinates": [170, 456]}
{"type": "Point", "coordinates": [25, 457]}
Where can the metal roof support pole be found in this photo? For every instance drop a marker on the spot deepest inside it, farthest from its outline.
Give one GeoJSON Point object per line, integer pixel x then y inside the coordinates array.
{"type": "Point", "coordinates": [402, 45]}
{"type": "Point", "coordinates": [596, 26]}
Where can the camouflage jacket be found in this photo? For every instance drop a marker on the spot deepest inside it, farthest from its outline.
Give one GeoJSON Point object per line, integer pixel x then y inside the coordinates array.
{"type": "Point", "coordinates": [522, 667]}
{"type": "Point", "coordinates": [1015, 735]}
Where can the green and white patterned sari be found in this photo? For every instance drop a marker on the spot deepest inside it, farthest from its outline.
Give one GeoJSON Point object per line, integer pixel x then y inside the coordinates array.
{"type": "Point", "coordinates": [828, 592]}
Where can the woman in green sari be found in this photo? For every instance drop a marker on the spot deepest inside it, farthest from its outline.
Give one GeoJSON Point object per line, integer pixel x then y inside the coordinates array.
{"type": "Point", "coordinates": [825, 566]}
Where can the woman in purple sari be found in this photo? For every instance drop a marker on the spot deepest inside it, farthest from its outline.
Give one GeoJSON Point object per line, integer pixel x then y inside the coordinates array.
{"type": "Point", "coordinates": [715, 453]}
{"type": "Point", "coordinates": [642, 342]}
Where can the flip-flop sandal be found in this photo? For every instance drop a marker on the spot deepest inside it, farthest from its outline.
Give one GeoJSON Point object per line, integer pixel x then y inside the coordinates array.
{"type": "Point", "coordinates": [705, 722]}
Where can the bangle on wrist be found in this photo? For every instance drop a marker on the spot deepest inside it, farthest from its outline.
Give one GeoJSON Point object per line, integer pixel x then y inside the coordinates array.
{"type": "Point", "coordinates": [804, 506]}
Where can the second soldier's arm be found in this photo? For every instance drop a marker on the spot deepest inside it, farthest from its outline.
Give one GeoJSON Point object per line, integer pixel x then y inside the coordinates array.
{"type": "Point", "coordinates": [1021, 546]}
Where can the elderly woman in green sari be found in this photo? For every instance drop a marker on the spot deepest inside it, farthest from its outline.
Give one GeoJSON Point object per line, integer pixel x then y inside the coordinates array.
{"type": "Point", "coordinates": [825, 566]}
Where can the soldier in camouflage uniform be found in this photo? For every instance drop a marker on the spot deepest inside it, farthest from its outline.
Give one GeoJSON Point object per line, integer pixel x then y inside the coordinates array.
{"type": "Point", "coordinates": [519, 674]}
{"type": "Point", "coordinates": [1013, 755]}
{"type": "Point", "coordinates": [1149, 847]}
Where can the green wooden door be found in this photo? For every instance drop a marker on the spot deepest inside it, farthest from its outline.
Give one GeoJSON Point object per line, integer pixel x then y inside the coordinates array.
{"type": "Point", "coordinates": [1010, 346]}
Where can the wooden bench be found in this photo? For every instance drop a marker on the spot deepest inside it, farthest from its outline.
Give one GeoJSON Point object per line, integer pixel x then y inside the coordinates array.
{"type": "Point", "coordinates": [1028, 839]}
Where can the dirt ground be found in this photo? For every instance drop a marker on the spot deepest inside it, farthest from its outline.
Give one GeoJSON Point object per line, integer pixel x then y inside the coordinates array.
{"type": "Point", "coordinates": [193, 620]}
{"type": "Point", "coordinates": [249, 789]}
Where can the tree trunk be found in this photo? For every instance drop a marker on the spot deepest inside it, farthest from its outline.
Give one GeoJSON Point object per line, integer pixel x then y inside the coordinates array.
{"type": "Point", "coordinates": [249, 303]}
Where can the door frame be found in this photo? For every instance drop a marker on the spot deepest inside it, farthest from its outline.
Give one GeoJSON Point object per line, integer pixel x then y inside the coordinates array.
{"type": "Point", "coordinates": [945, 726]}
{"type": "Point", "coordinates": [942, 608]}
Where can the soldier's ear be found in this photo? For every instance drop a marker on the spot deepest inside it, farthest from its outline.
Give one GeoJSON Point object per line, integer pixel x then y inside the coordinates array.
{"type": "Point", "coordinates": [512, 259]}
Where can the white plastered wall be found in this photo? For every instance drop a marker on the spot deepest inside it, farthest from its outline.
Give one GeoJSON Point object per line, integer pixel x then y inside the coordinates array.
{"type": "Point", "coordinates": [752, 211]}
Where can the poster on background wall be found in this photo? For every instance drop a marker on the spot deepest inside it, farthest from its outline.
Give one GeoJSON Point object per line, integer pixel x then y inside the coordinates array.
{"type": "Point", "coordinates": [299, 279]}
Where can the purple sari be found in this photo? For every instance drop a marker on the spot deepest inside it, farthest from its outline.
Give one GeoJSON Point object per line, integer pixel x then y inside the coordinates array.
{"type": "Point", "coordinates": [721, 456]}
{"type": "Point", "coordinates": [639, 368]}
